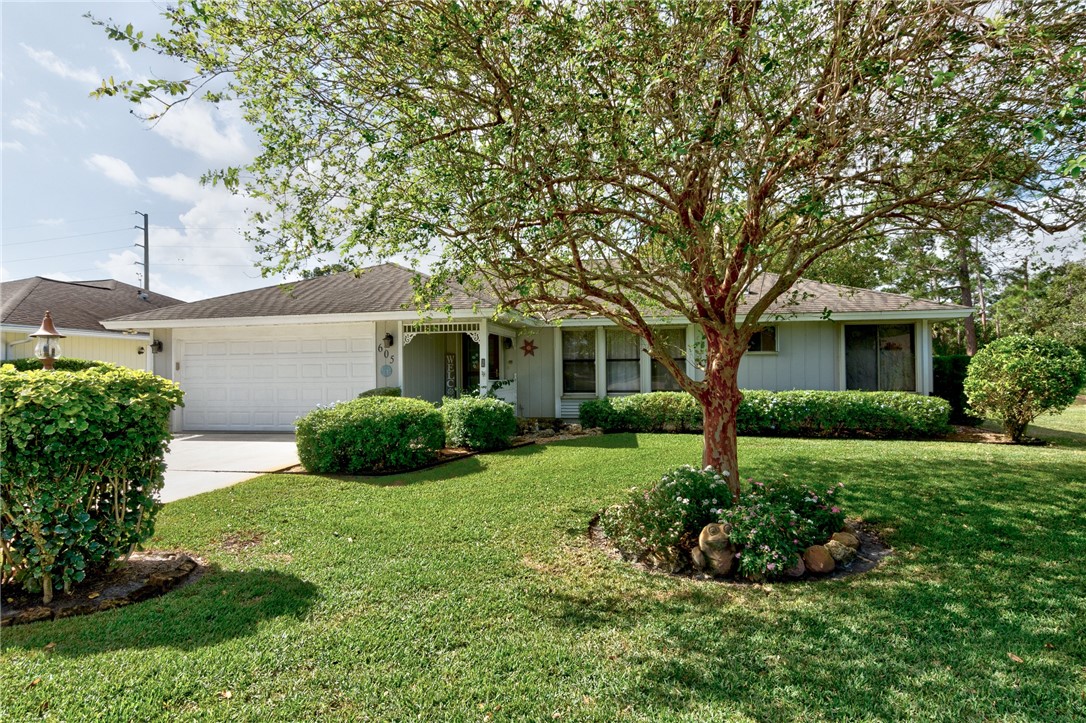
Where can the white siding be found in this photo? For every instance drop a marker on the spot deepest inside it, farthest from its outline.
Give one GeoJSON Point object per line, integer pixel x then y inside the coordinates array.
{"type": "Point", "coordinates": [424, 365]}
{"type": "Point", "coordinates": [534, 373]}
{"type": "Point", "coordinates": [123, 351]}
{"type": "Point", "coordinates": [805, 359]}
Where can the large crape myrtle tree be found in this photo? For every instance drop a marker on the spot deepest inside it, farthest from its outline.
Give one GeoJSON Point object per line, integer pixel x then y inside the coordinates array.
{"type": "Point", "coordinates": [635, 160]}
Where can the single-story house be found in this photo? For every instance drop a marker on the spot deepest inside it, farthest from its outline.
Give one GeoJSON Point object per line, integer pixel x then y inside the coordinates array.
{"type": "Point", "coordinates": [78, 308]}
{"type": "Point", "coordinates": [257, 360]}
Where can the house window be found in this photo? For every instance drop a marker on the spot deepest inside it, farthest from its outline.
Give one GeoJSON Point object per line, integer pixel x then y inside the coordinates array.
{"type": "Point", "coordinates": [579, 361]}
{"type": "Point", "coordinates": [675, 341]}
{"type": "Point", "coordinates": [880, 357]}
{"type": "Point", "coordinates": [764, 340]}
{"type": "Point", "coordinates": [623, 361]}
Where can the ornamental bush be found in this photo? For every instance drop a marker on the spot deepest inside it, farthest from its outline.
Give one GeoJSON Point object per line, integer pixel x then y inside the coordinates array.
{"type": "Point", "coordinates": [1018, 378]}
{"type": "Point", "coordinates": [789, 413]}
{"type": "Point", "coordinates": [382, 392]}
{"type": "Point", "coordinates": [82, 461]}
{"type": "Point", "coordinates": [63, 364]}
{"type": "Point", "coordinates": [668, 515]}
{"type": "Point", "coordinates": [773, 523]}
{"type": "Point", "coordinates": [370, 435]}
{"type": "Point", "coordinates": [949, 384]}
{"type": "Point", "coordinates": [478, 423]}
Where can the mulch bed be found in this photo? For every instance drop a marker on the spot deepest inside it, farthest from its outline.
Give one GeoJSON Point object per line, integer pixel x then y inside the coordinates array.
{"type": "Point", "coordinates": [871, 553]}
{"type": "Point", "coordinates": [146, 575]}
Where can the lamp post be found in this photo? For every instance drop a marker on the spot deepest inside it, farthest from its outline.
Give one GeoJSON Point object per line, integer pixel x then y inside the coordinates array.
{"type": "Point", "coordinates": [48, 347]}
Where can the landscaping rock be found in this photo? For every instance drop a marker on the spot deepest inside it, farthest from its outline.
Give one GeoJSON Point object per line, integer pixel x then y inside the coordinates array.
{"type": "Point", "coordinates": [847, 539]}
{"type": "Point", "coordinates": [573, 429]}
{"type": "Point", "coordinates": [718, 549]}
{"type": "Point", "coordinates": [670, 427]}
{"type": "Point", "coordinates": [840, 552]}
{"type": "Point", "coordinates": [818, 559]}
{"type": "Point", "coordinates": [545, 433]}
{"type": "Point", "coordinates": [796, 570]}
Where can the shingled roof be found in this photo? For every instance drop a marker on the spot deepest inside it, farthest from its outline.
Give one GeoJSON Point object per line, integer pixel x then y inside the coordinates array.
{"type": "Point", "coordinates": [382, 288]}
{"type": "Point", "coordinates": [74, 304]}
{"type": "Point", "coordinates": [388, 288]}
{"type": "Point", "coordinates": [815, 297]}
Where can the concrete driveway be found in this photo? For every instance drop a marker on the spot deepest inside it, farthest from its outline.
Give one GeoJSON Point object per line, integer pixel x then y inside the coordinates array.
{"type": "Point", "coordinates": [200, 462]}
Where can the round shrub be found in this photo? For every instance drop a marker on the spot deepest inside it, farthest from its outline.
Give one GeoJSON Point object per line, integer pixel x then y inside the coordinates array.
{"type": "Point", "coordinates": [1018, 378]}
{"type": "Point", "coordinates": [370, 435]}
{"type": "Point", "coordinates": [382, 392]}
{"type": "Point", "coordinates": [657, 520]}
{"type": "Point", "coordinates": [479, 424]}
{"type": "Point", "coordinates": [82, 455]}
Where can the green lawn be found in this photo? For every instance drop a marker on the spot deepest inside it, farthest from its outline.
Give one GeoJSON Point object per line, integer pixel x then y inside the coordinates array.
{"type": "Point", "coordinates": [1068, 428]}
{"type": "Point", "coordinates": [469, 592]}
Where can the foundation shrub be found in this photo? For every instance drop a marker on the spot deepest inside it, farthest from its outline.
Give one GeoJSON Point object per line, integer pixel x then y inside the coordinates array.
{"type": "Point", "coordinates": [789, 413]}
{"type": "Point", "coordinates": [82, 460]}
{"type": "Point", "coordinates": [949, 384]}
{"type": "Point", "coordinates": [480, 424]}
{"type": "Point", "coordinates": [370, 435]}
{"type": "Point", "coordinates": [60, 365]}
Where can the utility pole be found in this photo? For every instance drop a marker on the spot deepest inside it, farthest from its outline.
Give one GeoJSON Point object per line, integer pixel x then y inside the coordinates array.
{"type": "Point", "coordinates": [146, 228]}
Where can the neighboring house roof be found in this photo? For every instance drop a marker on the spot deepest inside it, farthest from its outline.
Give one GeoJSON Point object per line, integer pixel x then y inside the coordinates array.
{"type": "Point", "coordinates": [75, 305]}
{"type": "Point", "coordinates": [387, 288]}
{"type": "Point", "coordinates": [382, 288]}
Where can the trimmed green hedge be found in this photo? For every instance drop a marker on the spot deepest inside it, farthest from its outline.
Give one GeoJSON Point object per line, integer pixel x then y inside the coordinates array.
{"type": "Point", "coordinates": [652, 412]}
{"type": "Point", "coordinates": [949, 384]}
{"type": "Point", "coordinates": [370, 435]}
{"type": "Point", "coordinates": [790, 414]}
{"type": "Point", "coordinates": [381, 392]}
{"type": "Point", "coordinates": [60, 365]}
{"type": "Point", "coordinates": [82, 461]}
{"type": "Point", "coordinates": [479, 424]}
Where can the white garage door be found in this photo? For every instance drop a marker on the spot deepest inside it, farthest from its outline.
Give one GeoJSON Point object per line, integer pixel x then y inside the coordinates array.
{"type": "Point", "coordinates": [263, 378]}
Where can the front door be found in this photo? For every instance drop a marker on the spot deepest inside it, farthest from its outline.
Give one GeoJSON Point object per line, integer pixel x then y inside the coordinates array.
{"type": "Point", "coordinates": [469, 365]}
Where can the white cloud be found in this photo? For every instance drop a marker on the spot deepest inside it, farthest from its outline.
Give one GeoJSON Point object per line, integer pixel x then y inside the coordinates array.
{"type": "Point", "coordinates": [213, 133]}
{"type": "Point", "coordinates": [114, 169]}
{"type": "Point", "coordinates": [178, 187]}
{"type": "Point", "coordinates": [12, 146]}
{"type": "Point", "coordinates": [54, 64]}
{"type": "Point", "coordinates": [200, 253]}
{"type": "Point", "coordinates": [119, 61]}
{"type": "Point", "coordinates": [38, 114]}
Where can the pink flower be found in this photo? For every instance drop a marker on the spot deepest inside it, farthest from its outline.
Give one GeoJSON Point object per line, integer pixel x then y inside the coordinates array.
{"type": "Point", "coordinates": [771, 566]}
{"type": "Point", "coordinates": [835, 510]}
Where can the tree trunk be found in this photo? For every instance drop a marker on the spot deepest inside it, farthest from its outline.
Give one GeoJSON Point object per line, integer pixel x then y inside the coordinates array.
{"type": "Point", "coordinates": [965, 283]}
{"type": "Point", "coordinates": [720, 406]}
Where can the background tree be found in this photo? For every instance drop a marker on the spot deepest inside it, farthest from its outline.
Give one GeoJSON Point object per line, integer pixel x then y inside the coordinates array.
{"type": "Point", "coordinates": [1051, 302]}
{"type": "Point", "coordinates": [636, 160]}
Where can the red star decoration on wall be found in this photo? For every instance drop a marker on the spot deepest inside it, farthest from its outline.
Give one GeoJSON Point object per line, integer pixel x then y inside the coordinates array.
{"type": "Point", "coordinates": [528, 347]}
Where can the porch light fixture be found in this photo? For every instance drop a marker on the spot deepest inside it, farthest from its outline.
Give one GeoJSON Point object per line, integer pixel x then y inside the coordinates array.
{"type": "Point", "coordinates": [388, 340]}
{"type": "Point", "coordinates": [156, 347]}
{"type": "Point", "coordinates": [48, 348]}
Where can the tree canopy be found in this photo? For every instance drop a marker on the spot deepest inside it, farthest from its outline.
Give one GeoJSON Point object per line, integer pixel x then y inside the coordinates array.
{"type": "Point", "coordinates": [637, 160]}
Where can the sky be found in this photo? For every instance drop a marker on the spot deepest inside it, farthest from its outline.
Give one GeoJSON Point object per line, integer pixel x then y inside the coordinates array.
{"type": "Point", "coordinates": [75, 169]}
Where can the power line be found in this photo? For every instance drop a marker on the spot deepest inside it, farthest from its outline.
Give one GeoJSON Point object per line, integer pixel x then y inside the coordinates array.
{"type": "Point", "coordinates": [61, 238]}
{"type": "Point", "coordinates": [63, 222]}
{"type": "Point", "coordinates": [74, 253]}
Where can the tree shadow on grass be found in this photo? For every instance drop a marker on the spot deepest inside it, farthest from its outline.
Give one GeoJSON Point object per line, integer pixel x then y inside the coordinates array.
{"type": "Point", "coordinates": [222, 605]}
{"type": "Point", "coordinates": [987, 567]}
